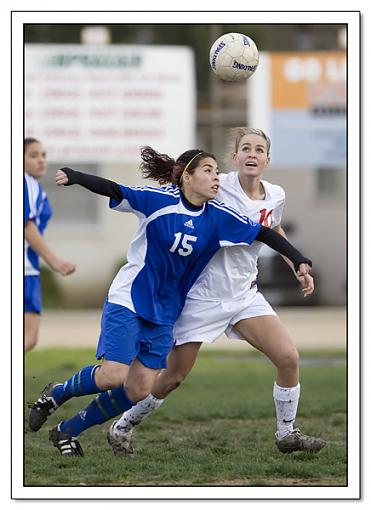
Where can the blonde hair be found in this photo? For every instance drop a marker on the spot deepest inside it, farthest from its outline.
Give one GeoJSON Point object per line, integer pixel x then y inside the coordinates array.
{"type": "Point", "coordinates": [236, 134]}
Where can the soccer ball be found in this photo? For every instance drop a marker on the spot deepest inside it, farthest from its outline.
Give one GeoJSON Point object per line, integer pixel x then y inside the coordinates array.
{"type": "Point", "coordinates": [234, 57]}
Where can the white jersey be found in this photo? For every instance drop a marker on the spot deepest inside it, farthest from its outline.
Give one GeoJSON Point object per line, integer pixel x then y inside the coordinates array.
{"type": "Point", "coordinates": [231, 271]}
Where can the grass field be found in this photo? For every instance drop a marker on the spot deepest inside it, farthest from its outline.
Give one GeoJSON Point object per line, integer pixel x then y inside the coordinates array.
{"type": "Point", "coordinates": [216, 429]}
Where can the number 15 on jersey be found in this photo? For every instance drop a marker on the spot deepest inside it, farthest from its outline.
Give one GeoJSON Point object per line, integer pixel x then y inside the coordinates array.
{"type": "Point", "coordinates": [185, 241]}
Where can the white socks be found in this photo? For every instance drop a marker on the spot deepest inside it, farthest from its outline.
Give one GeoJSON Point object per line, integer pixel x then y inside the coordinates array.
{"type": "Point", "coordinates": [137, 413]}
{"type": "Point", "coordinates": [286, 401]}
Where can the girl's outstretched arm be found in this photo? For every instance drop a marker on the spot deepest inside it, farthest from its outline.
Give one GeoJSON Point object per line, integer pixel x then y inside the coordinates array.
{"type": "Point", "coordinates": [278, 243]}
{"type": "Point", "coordinates": [67, 177]}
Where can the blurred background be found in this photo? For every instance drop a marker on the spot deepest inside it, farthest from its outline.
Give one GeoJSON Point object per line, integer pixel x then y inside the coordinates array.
{"type": "Point", "coordinates": [95, 94]}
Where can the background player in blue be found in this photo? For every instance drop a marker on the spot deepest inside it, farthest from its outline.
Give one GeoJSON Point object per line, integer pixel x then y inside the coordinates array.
{"type": "Point", "coordinates": [37, 213]}
{"type": "Point", "coordinates": [180, 229]}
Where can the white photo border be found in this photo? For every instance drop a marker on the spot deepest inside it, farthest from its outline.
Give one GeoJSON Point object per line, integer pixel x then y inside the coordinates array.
{"type": "Point", "coordinates": [352, 20]}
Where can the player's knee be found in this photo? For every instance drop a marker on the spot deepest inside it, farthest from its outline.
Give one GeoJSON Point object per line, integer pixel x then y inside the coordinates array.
{"type": "Point", "coordinates": [166, 383]}
{"type": "Point", "coordinates": [290, 360]}
{"type": "Point", "coordinates": [109, 378]}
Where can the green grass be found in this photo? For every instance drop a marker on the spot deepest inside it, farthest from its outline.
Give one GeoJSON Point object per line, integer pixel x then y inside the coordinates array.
{"type": "Point", "coordinates": [216, 429]}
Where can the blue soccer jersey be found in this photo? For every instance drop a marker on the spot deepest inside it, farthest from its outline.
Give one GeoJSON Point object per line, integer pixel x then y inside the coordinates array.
{"type": "Point", "coordinates": [171, 247]}
{"type": "Point", "coordinates": [37, 209]}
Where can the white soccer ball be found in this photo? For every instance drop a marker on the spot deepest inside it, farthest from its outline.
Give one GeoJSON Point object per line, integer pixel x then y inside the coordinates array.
{"type": "Point", "coordinates": [234, 57]}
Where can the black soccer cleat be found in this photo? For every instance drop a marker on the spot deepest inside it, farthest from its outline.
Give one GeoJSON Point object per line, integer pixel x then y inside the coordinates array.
{"type": "Point", "coordinates": [68, 446]}
{"type": "Point", "coordinates": [44, 406]}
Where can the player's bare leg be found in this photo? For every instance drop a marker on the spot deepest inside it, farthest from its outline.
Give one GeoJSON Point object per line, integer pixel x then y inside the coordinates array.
{"type": "Point", "coordinates": [269, 335]}
{"type": "Point", "coordinates": [110, 374]}
{"type": "Point", "coordinates": [179, 363]}
{"type": "Point", "coordinates": [31, 330]}
{"type": "Point", "coordinates": [140, 380]}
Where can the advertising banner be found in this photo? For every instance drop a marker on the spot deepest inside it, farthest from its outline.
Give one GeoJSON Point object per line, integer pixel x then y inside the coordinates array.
{"type": "Point", "coordinates": [299, 98]}
{"type": "Point", "coordinates": [101, 104]}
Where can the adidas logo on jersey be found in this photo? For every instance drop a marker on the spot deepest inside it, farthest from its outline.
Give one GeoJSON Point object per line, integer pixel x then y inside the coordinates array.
{"type": "Point", "coordinates": [189, 223]}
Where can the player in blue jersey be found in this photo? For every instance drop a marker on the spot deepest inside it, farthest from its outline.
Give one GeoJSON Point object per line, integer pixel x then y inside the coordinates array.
{"type": "Point", "coordinates": [37, 213]}
{"type": "Point", "coordinates": [180, 228]}
{"type": "Point", "coordinates": [225, 299]}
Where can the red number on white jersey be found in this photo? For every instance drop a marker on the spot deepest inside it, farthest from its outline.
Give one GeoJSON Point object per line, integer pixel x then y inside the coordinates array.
{"type": "Point", "coordinates": [265, 219]}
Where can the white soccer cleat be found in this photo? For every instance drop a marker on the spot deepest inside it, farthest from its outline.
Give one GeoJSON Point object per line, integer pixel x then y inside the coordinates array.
{"type": "Point", "coordinates": [119, 441]}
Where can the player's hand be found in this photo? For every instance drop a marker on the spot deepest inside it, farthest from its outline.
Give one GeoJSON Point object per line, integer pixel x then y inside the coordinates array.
{"type": "Point", "coordinates": [303, 269]}
{"type": "Point", "coordinates": [307, 284]}
{"type": "Point", "coordinates": [63, 267]}
{"type": "Point", "coordinates": [61, 178]}
{"type": "Point", "coordinates": [305, 279]}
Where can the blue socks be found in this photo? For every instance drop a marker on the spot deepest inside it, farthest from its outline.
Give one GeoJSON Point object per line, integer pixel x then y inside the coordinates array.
{"type": "Point", "coordinates": [105, 406]}
{"type": "Point", "coordinates": [81, 383]}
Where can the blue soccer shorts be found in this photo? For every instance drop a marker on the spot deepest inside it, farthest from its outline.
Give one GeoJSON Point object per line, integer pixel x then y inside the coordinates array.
{"type": "Point", "coordinates": [32, 294]}
{"type": "Point", "coordinates": [125, 336]}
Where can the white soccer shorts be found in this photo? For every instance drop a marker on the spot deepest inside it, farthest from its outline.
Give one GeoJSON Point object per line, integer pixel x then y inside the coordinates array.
{"type": "Point", "coordinates": [205, 321]}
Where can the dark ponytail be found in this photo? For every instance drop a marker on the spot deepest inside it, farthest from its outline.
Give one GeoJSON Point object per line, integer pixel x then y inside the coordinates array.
{"type": "Point", "coordinates": [164, 169]}
{"type": "Point", "coordinates": [156, 166]}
